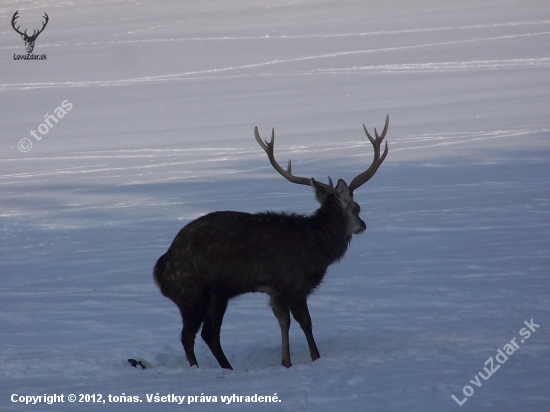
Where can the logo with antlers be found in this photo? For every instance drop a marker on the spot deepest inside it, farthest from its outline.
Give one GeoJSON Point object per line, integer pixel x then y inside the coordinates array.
{"type": "Point", "coordinates": [29, 40]}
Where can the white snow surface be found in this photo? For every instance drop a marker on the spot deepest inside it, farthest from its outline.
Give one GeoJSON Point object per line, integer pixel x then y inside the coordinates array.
{"type": "Point", "coordinates": [165, 97]}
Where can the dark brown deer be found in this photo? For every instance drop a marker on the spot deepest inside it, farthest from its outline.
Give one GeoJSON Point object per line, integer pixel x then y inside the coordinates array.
{"type": "Point", "coordinates": [29, 40]}
{"type": "Point", "coordinates": [225, 254]}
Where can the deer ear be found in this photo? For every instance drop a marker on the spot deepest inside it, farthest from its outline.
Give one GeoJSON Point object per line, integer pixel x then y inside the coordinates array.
{"type": "Point", "coordinates": [320, 191]}
{"type": "Point", "coordinates": [342, 192]}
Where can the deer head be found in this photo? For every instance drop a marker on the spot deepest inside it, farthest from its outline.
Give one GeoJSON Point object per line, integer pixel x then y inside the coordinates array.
{"type": "Point", "coordinates": [342, 191]}
{"type": "Point", "coordinates": [29, 40]}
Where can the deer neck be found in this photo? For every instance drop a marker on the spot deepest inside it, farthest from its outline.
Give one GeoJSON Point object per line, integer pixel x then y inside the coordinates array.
{"type": "Point", "coordinates": [330, 222]}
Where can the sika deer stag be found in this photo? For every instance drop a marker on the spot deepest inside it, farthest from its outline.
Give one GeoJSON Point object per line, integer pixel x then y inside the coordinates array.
{"type": "Point", "coordinates": [225, 254]}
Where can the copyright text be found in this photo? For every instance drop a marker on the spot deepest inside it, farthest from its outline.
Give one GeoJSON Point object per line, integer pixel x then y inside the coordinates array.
{"type": "Point", "coordinates": [148, 398]}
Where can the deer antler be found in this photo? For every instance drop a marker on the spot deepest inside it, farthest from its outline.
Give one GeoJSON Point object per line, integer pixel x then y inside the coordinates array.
{"type": "Point", "coordinates": [15, 16]}
{"type": "Point", "coordinates": [34, 33]}
{"type": "Point", "coordinates": [367, 174]}
{"type": "Point", "coordinates": [268, 148]}
{"type": "Point", "coordinates": [43, 26]}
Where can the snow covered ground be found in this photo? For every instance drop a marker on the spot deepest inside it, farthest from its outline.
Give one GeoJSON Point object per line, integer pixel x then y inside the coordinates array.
{"type": "Point", "coordinates": [165, 97]}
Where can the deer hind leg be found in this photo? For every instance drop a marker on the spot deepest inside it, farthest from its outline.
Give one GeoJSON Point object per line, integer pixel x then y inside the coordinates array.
{"type": "Point", "coordinates": [192, 309]}
{"type": "Point", "coordinates": [211, 328]}
{"type": "Point", "coordinates": [281, 312]}
{"type": "Point", "coordinates": [300, 312]}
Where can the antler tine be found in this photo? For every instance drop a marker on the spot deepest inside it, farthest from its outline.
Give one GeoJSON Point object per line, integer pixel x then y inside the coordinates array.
{"type": "Point", "coordinates": [377, 161]}
{"type": "Point", "coordinates": [287, 174]}
{"type": "Point", "coordinates": [259, 139]}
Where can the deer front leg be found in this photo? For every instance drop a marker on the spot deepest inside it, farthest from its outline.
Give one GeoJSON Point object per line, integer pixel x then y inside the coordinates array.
{"type": "Point", "coordinates": [281, 312]}
{"type": "Point", "coordinates": [300, 312]}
